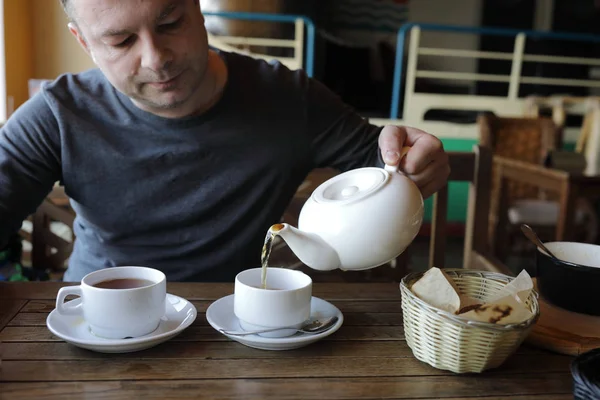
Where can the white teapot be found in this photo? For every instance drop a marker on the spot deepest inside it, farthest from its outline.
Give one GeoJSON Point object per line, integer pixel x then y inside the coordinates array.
{"type": "Point", "coordinates": [357, 220]}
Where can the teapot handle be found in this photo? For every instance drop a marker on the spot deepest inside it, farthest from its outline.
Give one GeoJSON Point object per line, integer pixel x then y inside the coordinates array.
{"type": "Point", "coordinates": [394, 168]}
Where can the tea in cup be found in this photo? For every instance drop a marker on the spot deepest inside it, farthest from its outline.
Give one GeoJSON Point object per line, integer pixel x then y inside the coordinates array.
{"type": "Point", "coordinates": [120, 302]}
{"type": "Point", "coordinates": [284, 303]}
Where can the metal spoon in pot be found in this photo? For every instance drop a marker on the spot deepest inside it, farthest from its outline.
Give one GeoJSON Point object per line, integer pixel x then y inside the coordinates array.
{"type": "Point", "coordinates": [531, 235]}
{"type": "Point", "coordinates": [313, 326]}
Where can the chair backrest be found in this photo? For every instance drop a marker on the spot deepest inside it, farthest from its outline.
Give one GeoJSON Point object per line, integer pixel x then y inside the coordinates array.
{"type": "Point", "coordinates": [524, 139]}
{"type": "Point", "coordinates": [266, 48]}
{"type": "Point", "coordinates": [475, 168]}
{"type": "Point", "coordinates": [50, 249]}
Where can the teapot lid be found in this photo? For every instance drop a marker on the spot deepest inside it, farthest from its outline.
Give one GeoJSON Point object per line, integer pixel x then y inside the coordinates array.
{"type": "Point", "coordinates": [351, 186]}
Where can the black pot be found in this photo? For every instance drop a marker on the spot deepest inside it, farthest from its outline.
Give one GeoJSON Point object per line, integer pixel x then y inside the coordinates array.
{"type": "Point", "coordinates": [574, 282]}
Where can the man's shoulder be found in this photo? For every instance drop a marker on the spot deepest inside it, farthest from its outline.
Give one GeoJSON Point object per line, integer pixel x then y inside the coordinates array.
{"type": "Point", "coordinates": [256, 74]}
{"type": "Point", "coordinates": [76, 85]}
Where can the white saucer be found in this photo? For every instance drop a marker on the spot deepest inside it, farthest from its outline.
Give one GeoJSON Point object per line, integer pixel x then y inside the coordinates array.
{"type": "Point", "coordinates": [179, 314]}
{"type": "Point", "coordinates": [220, 316]}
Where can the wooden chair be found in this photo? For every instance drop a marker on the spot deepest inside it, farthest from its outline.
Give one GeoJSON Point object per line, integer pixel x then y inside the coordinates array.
{"type": "Point", "coordinates": [589, 108]}
{"type": "Point", "coordinates": [56, 199]}
{"type": "Point", "coordinates": [565, 186]}
{"type": "Point", "coordinates": [525, 139]}
{"type": "Point", "coordinates": [49, 234]}
{"type": "Point", "coordinates": [472, 167]}
{"type": "Point", "coordinates": [528, 140]}
{"type": "Point", "coordinates": [50, 251]}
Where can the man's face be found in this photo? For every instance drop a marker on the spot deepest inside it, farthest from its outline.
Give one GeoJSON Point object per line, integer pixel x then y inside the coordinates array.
{"type": "Point", "coordinates": [154, 51]}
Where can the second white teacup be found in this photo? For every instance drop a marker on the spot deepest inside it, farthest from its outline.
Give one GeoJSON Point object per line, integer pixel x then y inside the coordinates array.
{"type": "Point", "coordinates": [118, 302]}
{"type": "Point", "coordinates": [285, 302]}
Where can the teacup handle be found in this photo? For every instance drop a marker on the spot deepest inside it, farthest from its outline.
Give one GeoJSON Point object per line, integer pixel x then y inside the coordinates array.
{"type": "Point", "coordinates": [60, 301]}
{"type": "Point", "coordinates": [394, 168]}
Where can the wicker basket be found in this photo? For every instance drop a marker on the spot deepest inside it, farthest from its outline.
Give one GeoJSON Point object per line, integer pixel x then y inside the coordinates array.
{"type": "Point", "coordinates": [449, 342]}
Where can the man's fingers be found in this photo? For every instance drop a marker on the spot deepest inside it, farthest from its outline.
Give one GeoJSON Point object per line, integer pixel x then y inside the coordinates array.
{"type": "Point", "coordinates": [391, 140]}
{"type": "Point", "coordinates": [438, 180]}
{"type": "Point", "coordinates": [430, 189]}
{"type": "Point", "coordinates": [432, 170]}
{"type": "Point", "coordinates": [428, 149]}
{"type": "Point", "coordinates": [425, 148]}
{"type": "Point", "coordinates": [426, 163]}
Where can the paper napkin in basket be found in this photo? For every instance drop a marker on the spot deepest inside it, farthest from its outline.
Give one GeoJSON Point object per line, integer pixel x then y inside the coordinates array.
{"type": "Point", "coordinates": [439, 290]}
{"type": "Point", "coordinates": [508, 307]}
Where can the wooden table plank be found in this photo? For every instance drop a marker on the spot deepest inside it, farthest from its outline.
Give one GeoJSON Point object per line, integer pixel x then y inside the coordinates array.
{"type": "Point", "coordinates": [350, 319]}
{"type": "Point", "coordinates": [205, 350]}
{"type": "Point", "coordinates": [221, 350]}
{"type": "Point", "coordinates": [517, 397]}
{"type": "Point", "coordinates": [410, 387]}
{"type": "Point", "coordinates": [213, 291]}
{"type": "Point", "coordinates": [9, 309]}
{"type": "Point", "coordinates": [309, 367]}
{"type": "Point", "coordinates": [16, 394]}
{"type": "Point", "coordinates": [345, 306]}
{"type": "Point", "coordinates": [203, 333]}
{"type": "Point", "coordinates": [29, 319]}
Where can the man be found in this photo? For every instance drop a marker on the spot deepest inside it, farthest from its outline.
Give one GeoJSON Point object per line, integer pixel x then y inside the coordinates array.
{"type": "Point", "coordinates": [176, 156]}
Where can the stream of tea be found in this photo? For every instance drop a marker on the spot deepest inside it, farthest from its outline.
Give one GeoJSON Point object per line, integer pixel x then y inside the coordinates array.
{"type": "Point", "coordinates": [266, 252]}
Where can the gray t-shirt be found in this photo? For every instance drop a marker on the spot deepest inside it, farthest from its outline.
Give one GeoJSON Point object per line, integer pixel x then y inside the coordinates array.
{"type": "Point", "coordinates": [193, 197]}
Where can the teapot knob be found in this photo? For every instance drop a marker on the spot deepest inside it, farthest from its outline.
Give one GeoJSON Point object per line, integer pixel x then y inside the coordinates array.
{"type": "Point", "coordinates": [394, 168]}
{"type": "Point", "coordinates": [349, 191]}
{"type": "Point", "coordinates": [391, 168]}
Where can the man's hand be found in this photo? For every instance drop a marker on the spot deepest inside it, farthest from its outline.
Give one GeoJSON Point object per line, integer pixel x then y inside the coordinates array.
{"type": "Point", "coordinates": [426, 163]}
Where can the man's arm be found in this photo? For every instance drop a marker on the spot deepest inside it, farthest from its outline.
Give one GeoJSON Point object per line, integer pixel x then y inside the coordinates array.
{"type": "Point", "coordinates": [29, 163]}
{"type": "Point", "coordinates": [340, 137]}
{"type": "Point", "coordinates": [344, 140]}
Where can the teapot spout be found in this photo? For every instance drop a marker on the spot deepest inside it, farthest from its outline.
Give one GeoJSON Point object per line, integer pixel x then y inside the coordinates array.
{"type": "Point", "coordinates": [310, 248]}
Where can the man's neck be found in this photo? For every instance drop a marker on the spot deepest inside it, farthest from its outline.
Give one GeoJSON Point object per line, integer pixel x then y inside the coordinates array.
{"type": "Point", "coordinates": [213, 85]}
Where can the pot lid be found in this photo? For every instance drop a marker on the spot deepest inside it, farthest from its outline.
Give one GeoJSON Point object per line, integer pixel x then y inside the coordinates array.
{"type": "Point", "coordinates": [351, 186]}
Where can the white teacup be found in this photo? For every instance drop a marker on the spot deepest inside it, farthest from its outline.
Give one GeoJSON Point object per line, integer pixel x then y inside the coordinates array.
{"type": "Point", "coordinates": [285, 302]}
{"type": "Point", "coordinates": [118, 302]}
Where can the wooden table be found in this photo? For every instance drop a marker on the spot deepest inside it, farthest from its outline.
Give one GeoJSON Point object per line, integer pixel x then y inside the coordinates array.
{"type": "Point", "coordinates": [366, 359]}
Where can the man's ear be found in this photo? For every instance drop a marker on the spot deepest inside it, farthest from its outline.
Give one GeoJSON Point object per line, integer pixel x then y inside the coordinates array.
{"type": "Point", "coordinates": [74, 29]}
